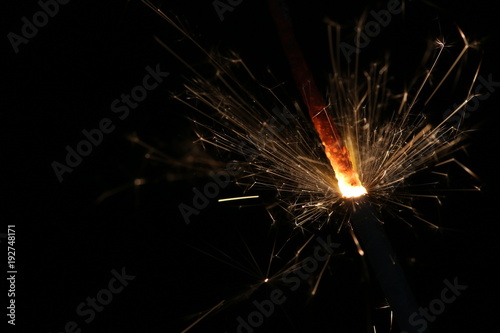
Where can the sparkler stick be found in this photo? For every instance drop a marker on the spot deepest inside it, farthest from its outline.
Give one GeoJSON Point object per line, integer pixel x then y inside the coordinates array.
{"type": "Point", "coordinates": [365, 224]}
{"type": "Point", "coordinates": [388, 271]}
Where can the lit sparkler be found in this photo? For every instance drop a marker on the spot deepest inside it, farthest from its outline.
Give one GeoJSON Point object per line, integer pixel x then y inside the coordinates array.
{"type": "Point", "coordinates": [374, 241]}
{"type": "Point", "coordinates": [321, 172]}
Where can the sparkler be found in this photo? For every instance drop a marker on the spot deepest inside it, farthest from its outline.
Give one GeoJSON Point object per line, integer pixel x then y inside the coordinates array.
{"type": "Point", "coordinates": [353, 166]}
{"type": "Point", "coordinates": [374, 241]}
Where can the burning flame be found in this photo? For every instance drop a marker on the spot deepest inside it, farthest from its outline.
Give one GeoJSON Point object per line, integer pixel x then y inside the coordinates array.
{"type": "Point", "coordinates": [348, 188]}
{"type": "Point", "coordinates": [348, 179]}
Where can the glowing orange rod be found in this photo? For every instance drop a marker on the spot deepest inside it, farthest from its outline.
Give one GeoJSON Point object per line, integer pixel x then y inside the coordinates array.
{"type": "Point", "coordinates": [336, 151]}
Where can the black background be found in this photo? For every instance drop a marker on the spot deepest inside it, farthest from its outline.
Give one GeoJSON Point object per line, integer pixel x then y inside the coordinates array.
{"type": "Point", "coordinates": [70, 235]}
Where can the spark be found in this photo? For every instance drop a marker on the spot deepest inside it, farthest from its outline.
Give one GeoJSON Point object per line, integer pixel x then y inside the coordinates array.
{"type": "Point", "coordinates": [239, 198]}
{"type": "Point", "coordinates": [358, 246]}
{"type": "Point", "coordinates": [207, 313]}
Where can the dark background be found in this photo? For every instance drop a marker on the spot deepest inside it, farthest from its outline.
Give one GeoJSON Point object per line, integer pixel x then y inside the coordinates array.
{"type": "Point", "coordinates": [70, 235]}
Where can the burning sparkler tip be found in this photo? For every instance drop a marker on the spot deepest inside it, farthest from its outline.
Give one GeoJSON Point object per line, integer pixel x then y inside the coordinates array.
{"type": "Point", "coordinates": [350, 185]}
{"type": "Point", "coordinates": [349, 191]}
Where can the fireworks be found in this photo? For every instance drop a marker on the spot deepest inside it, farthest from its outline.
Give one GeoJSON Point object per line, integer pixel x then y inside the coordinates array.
{"type": "Point", "coordinates": [379, 142]}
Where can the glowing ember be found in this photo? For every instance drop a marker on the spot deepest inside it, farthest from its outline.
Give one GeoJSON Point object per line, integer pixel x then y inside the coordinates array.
{"type": "Point", "coordinates": [348, 190]}
{"type": "Point", "coordinates": [338, 155]}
